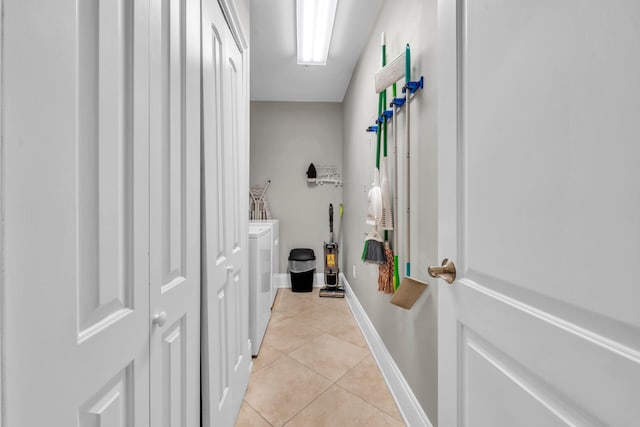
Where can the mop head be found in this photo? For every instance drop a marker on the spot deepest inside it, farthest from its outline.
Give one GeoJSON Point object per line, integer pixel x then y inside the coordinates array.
{"type": "Point", "coordinates": [385, 272]}
{"type": "Point", "coordinates": [373, 252]}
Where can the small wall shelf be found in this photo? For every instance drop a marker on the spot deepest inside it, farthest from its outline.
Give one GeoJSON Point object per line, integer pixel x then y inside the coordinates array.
{"type": "Point", "coordinates": [326, 174]}
{"type": "Point", "coordinates": [321, 181]}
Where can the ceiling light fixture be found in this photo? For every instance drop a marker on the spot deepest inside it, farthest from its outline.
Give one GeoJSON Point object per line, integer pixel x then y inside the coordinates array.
{"type": "Point", "coordinates": [314, 22]}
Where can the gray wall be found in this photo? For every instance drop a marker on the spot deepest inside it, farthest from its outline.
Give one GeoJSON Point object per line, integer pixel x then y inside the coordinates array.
{"type": "Point", "coordinates": [410, 336]}
{"type": "Point", "coordinates": [285, 138]}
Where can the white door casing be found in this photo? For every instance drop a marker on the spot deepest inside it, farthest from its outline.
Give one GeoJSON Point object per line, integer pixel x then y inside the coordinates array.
{"type": "Point", "coordinates": [226, 350]}
{"type": "Point", "coordinates": [175, 213]}
{"type": "Point", "coordinates": [75, 107]}
{"type": "Point", "coordinates": [2, 295]}
{"type": "Point", "coordinates": [538, 206]}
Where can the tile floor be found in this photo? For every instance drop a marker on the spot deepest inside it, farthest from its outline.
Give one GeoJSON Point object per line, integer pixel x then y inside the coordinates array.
{"type": "Point", "coordinates": [315, 369]}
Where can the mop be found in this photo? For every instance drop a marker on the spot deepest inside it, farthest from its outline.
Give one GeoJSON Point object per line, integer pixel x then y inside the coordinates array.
{"type": "Point", "coordinates": [385, 271]}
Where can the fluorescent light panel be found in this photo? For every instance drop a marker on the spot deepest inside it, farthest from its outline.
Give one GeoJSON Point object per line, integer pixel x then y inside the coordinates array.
{"type": "Point", "coordinates": [315, 25]}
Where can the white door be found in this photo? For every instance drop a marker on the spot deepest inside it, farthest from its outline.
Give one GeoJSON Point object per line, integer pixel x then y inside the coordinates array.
{"type": "Point", "coordinates": [539, 200]}
{"type": "Point", "coordinates": [175, 213]}
{"type": "Point", "coordinates": [76, 190]}
{"type": "Point", "coordinates": [226, 351]}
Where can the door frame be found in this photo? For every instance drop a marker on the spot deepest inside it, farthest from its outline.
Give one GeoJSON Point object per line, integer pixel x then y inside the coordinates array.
{"type": "Point", "coordinates": [449, 133]}
{"type": "Point", "coordinates": [2, 180]}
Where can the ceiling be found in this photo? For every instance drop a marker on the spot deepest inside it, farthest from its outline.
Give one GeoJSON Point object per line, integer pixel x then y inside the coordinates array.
{"type": "Point", "coordinates": [275, 75]}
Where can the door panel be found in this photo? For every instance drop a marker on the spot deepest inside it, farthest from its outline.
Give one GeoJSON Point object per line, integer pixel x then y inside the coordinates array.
{"type": "Point", "coordinates": [226, 352]}
{"type": "Point", "coordinates": [104, 161]}
{"type": "Point", "coordinates": [175, 212]}
{"type": "Point", "coordinates": [239, 278]}
{"type": "Point", "coordinates": [494, 378]}
{"type": "Point", "coordinates": [538, 200]}
{"type": "Point", "coordinates": [174, 376]}
{"type": "Point", "coordinates": [76, 213]}
{"type": "Point", "coordinates": [111, 405]}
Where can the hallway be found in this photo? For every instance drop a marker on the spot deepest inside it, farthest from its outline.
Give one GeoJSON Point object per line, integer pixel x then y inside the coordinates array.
{"type": "Point", "coordinates": [315, 369]}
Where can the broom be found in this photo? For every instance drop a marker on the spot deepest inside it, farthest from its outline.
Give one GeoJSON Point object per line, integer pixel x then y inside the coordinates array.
{"type": "Point", "coordinates": [373, 251]}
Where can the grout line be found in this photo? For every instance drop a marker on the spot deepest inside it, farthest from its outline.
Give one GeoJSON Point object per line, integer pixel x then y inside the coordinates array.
{"type": "Point", "coordinates": [268, 364]}
{"type": "Point", "coordinates": [308, 404]}
{"type": "Point", "coordinates": [257, 412]}
{"type": "Point", "coordinates": [370, 404]}
{"type": "Point", "coordinates": [288, 315]}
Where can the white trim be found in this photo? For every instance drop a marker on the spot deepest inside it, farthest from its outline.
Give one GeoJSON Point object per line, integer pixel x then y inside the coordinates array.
{"type": "Point", "coordinates": [284, 280]}
{"type": "Point", "coordinates": [408, 405]}
{"type": "Point", "coordinates": [231, 15]}
{"type": "Point", "coordinates": [2, 254]}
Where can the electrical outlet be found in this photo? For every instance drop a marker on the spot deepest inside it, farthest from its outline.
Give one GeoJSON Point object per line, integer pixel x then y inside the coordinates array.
{"type": "Point", "coordinates": [354, 271]}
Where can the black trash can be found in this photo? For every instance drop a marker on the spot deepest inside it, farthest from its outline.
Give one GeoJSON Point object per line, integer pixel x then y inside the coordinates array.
{"type": "Point", "coordinates": [302, 268]}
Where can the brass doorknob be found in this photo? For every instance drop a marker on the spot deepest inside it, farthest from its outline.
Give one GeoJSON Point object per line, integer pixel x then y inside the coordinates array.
{"type": "Point", "coordinates": [447, 271]}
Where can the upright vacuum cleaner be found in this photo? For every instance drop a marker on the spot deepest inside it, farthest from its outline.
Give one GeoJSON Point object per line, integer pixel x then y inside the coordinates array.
{"type": "Point", "coordinates": [332, 287]}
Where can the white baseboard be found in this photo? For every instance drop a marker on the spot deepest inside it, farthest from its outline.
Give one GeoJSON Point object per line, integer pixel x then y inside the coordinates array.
{"type": "Point", "coordinates": [284, 280]}
{"type": "Point", "coordinates": [408, 405]}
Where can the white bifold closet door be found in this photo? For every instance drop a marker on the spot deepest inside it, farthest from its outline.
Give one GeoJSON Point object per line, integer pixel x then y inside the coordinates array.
{"type": "Point", "coordinates": [102, 210]}
{"type": "Point", "coordinates": [175, 213]}
{"type": "Point", "coordinates": [226, 351]}
{"type": "Point", "coordinates": [76, 199]}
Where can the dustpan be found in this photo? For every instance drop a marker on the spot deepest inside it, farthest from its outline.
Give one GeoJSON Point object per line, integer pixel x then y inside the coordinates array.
{"type": "Point", "coordinates": [408, 292]}
{"type": "Point", "coordinates": [410, 289]}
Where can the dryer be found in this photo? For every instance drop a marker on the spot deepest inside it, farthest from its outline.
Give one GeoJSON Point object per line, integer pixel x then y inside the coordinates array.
{"type": "Point", "coordinates": [259, 283]}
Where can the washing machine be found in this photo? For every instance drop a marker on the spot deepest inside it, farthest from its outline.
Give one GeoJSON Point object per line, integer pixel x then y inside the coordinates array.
{"type": "Point", "coordinates": [259, 283]}
{"type": "Point", "coordinates": [275, 252]}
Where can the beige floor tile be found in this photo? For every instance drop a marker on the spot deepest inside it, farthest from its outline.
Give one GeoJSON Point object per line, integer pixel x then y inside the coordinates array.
{"type": "Point", "coordinates": [288, 334]}
{"type": "Point", "coordinates": [338, 407]}
{"type": "Point", "coordinates": [248, 417]}
{"type": "Point", "coordinates": [336, 303]}
{"type": "Point", "coordinates": [326, 318]}
{"type": "Point", "coordinates": [350, 333]}
{"type": "Point", "coordinates": [276, 316]}
{"type": "Point", "coordinates": [267, 355]}
{"type": "Point", "coordinates": [310, 342]}
{"type": "Point", "coordinates": [291, 303]}
{"type": "Point", "coordinates": [329, 356]}
{"type": "Point", "coordinates": [366, 382]}
{"type": "Point", "coordinates": [282, 389]}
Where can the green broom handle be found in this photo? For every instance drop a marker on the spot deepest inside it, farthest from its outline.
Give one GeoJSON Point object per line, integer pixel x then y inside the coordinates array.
{"type": "Point", "coordinates": [384, 98]}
